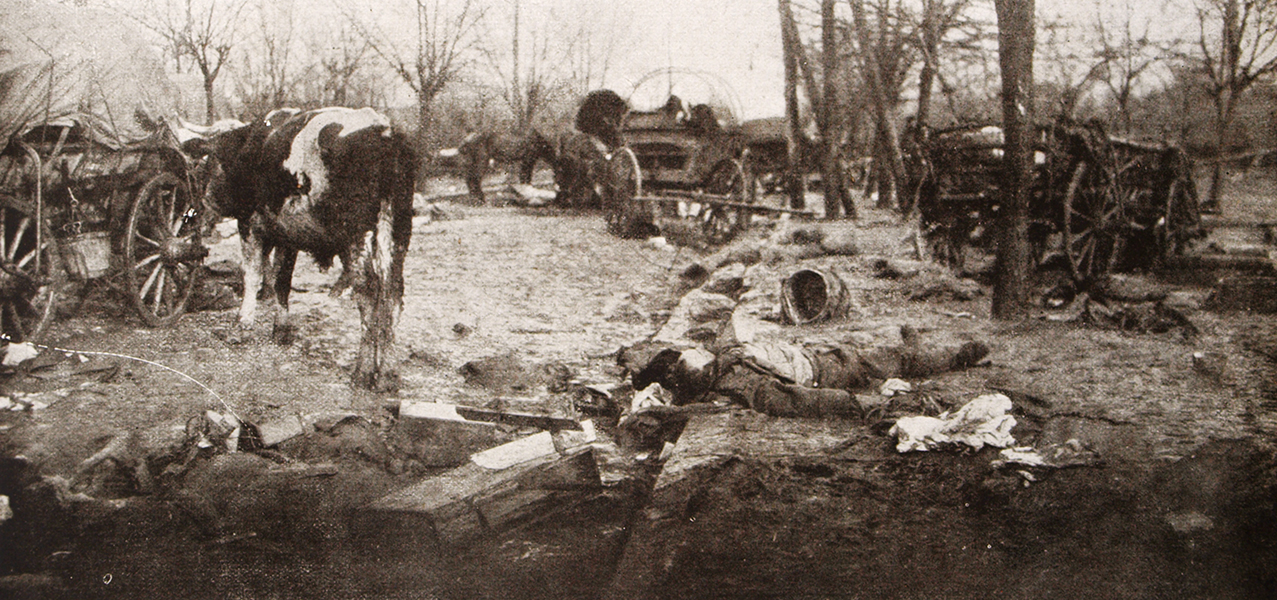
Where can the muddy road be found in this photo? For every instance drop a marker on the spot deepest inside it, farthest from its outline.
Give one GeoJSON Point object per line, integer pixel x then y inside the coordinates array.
{"type": "Point", "coordinates": [1181, 505]}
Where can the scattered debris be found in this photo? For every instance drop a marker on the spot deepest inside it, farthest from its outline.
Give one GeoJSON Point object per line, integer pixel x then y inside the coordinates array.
{"type": "Point", "coordinates": [1211, 364]}
{"type": "Point", "coordinates": [651, 396]}
{"type": "Point", "coordinates": [528, 195]}
{"type": "Point", "coordinates": [18, 402]}
{"type": "Point", "coordinates": [982, 421]}
{"type": "Point", "coordinates": [523, 478]}
{"type": "Point", "coordinates": [810, 296]}
{"type": "Point", "coordinates": [1072, 453]}
{"type": "Point", "coordinates": [519, 419]}
{"type": "Point", "coordinates": [438, 436]}
{"type": "Point", "coordinates": [214, 430]}
{"type": "Point", "coordinates": [894, 386]}
{"type": "Point", "coordinates": [280, 429]}
{"type": "Point", "coordinates": [16, 354]}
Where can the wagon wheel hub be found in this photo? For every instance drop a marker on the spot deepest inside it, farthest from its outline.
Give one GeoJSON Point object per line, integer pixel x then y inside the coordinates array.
{"type": "Point", "coordinates": [183, 250]}
{"type": "Point", "coordinates": [13, 284]}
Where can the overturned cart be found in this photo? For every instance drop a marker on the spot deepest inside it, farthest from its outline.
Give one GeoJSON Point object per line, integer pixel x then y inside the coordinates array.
{"type": "Point", "coordinates": [1104, 204]}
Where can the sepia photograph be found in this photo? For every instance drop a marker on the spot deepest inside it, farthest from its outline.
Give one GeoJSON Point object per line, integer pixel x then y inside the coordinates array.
{"type": "Point", "coordinates": [638, 299]}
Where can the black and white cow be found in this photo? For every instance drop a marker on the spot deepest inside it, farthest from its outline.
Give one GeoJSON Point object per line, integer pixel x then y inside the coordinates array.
{"type": "Point", "coordinates": [337, 183]}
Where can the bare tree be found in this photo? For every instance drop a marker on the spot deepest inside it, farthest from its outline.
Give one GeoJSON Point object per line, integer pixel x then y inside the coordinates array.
{"type": "Point", "coordinates": [938, 18]}
{"type": "Point", "coordinates": [1015, 54]}
{"type": "Point", "coordinates": [1128, 54]}
{"type": "Point", "coordinates": [1074, 68]}
{"type": "Point", "coordinates": [884, 60]}
{"type": "Point", "coordinates": [201, 30]}
{"type": "Point", "coordinates": [343, 78]}
{"type": "Point", "coordinates": [264, 73]}
{"type": "Point", "coordinates": [1245, 51]}
{"type": "Point", "coordinates": [592, 46]}
{"type": "Point", "coordinates": [441, 44]}
{"type": "Point", "coordinates": [524, 79]}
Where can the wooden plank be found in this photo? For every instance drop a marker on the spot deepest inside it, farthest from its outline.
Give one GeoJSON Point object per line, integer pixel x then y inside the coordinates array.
{"type": "Point", "coordinates": [439, 436]}
{"type": "Point", "coordinates": [518, 419]}
{"type": "Point", "coordinates": [472, 500]}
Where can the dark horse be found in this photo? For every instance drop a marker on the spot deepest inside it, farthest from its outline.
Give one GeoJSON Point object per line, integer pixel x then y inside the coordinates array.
{"type": "Point", "coordinates": [581, 166]}
{"type": "Point", "coordinates": [480, 151]}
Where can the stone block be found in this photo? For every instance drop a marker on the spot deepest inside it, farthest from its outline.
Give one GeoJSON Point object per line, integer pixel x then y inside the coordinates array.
{"type": "Point", "coordinates": [280, 429]}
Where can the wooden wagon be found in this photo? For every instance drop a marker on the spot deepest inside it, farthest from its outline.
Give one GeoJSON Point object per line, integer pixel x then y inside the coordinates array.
{"type": "Point", "coordinates": [79, 203]}
{"type": "Point", "coordinates": [689, 167]}
{"type": "Point", "coordinates": [1103, 203]}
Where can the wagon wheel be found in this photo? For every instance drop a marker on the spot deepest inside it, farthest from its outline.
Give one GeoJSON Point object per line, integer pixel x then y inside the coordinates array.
{"type": "Point", "coordinates": [31, 278]}
{"type": "Point", "coordinates": [1090, 215]}
{"type": "Point", "coordinates": [720, 224]}
{"type": "Point", "coordinates": [626, 216]}
{"type": "Point", "coordinates": [162, 249]}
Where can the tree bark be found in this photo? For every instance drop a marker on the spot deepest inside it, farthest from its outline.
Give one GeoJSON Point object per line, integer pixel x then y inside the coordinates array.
{"type": "Point", "coordinates": [1015, 56]}
{"type": "Point", "coordinates": [837, 197]}
{"type": "Point", "coordinates": [791, 47]}
{"type": "Point", "coordinates": [210, 111]}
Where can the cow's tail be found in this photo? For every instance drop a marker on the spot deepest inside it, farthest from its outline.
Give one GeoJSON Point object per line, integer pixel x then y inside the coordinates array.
{"type": "Point", "coordinates": [385, 249]}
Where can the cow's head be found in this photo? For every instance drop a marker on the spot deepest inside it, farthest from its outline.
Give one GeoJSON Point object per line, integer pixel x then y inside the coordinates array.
{"type": "Point", "coordinates": [227, 169]}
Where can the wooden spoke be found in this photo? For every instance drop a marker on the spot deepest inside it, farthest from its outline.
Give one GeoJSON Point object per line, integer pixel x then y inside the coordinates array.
{"type": "Point", "coordinates": [159, 292]}
{"type": "Point", "coordinates": [17, 237]}
{"type": "Point", "coordinates": [33, 275]}
{"type": "Point", "coordinates": [161, 284]}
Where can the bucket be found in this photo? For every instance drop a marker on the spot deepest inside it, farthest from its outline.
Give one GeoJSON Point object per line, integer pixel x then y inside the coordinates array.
{"type": "Point", "coordinates": [87, 255]}
{"type": "Point", "coordinates": [809, 296]}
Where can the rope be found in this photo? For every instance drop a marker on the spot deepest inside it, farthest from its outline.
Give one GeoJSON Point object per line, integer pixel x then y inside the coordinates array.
{"type": "Point", "coordinates": [69, 352]}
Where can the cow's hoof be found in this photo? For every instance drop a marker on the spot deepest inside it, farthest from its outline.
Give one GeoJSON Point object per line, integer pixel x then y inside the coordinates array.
{"type": "Point", "coordinates": [284, 334]}
{"type": "Point", "coordinates": [235, 335]}
{"type": "Point", "coordinates": [378, 381]}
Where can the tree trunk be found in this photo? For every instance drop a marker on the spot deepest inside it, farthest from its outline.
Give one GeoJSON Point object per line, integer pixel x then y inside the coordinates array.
{"type": "Point", "coordinates": [791, 47]}
{"type": "Point", "coordinates": [917, 135]}
{"type": "Point", "coordinates": [1225, 97]}
{"type": "Point", "coordinates": [831, 174]}
{"type": "Point", "coordinates": [887, 149]}
{"type": "Point", "coordinates": [210, 111]}
{"type": "Point", "coordinates": [1015, 56]}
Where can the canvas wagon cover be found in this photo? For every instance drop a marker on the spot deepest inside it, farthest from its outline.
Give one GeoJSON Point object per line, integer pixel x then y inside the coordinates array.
{"type": "Point", "coordinates": [61, 61]}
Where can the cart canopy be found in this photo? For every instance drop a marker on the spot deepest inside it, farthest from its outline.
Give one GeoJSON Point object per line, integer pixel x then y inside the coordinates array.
{"type": "Point", "coordinates": [62, 63]}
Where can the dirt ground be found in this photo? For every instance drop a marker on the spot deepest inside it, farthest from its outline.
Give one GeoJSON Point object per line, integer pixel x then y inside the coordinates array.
{"type": "Point", "coordinates": [1181, 505]}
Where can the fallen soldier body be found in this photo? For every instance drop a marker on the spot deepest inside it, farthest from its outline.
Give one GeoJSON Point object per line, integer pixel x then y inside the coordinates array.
{"type": "Point", "coordinates": [791, 380]}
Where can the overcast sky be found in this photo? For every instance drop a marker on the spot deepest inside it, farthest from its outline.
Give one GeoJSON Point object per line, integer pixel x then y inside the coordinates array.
{"type": "Point", "coordinates": [729, 46]}
{"type": "Point", "coordinates": [739, 40]}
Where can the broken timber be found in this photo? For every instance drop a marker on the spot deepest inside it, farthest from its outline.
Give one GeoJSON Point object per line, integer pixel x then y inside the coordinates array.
{"type": "Point", "coordinates": [518, 419]}
{"type": "Point", "coordinates": [437, 435]}
{"type": "Point", "coordinates": [721, 200]}
{"type": "Point", "coordinates": [523, 478]}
